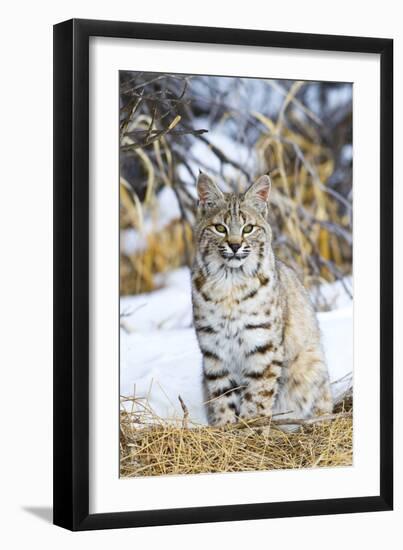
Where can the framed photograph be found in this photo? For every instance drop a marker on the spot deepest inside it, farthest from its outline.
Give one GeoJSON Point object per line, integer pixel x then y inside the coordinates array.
{"type": "Point", "coordinates": [223, 316]}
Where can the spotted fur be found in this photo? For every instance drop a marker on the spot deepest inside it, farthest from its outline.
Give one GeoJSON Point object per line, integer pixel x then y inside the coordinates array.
{"type": "Point", "coordinates": [255, 325]}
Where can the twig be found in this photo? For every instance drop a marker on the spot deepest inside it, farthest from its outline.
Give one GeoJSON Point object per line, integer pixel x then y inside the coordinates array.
{"type": "Point", "coordinates": [274, 84]}
{"type": "Point", "coordinates": [152, 133]}
{"type": "Point", "coordinates": [339, 274]}
{"type": "Point", "coordinates": [183, 224]}
{"type": "Point", "coordinates": [343, 378]}
{"type": "Point", "coordinates": [315, 176]}
{"type": "Point", "coordinates": [151, 126]}
{"type": "Point", "coordinates": [148, 82]}
{"type": "Point", "coordinates": [222, 156]}
{"type": "Point", "coordinates": [155, 137]}
{"type": "Point", "coordinates": [185, 421]}
{"type": "Point", "coordinates": [309, 421]}
{"type": "Point", "coordinates": [261, 422]}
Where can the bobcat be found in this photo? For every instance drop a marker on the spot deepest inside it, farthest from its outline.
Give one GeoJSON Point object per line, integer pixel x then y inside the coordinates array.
{"type": "Point", "coordinates": [255, 325]}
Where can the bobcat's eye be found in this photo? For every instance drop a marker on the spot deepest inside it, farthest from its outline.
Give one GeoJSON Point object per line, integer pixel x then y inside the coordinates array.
{"type": "Point", "coordinates": [220, 228]}
{"type": "Point", "coordinates": [248, 228]}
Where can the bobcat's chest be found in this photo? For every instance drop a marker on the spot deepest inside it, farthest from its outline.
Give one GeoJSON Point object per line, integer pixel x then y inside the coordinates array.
{"type": "Point", "coordinates": [239, 325]}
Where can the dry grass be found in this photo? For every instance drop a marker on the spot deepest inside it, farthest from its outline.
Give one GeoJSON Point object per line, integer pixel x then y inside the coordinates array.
{"type": "Point", "coordinates": [165, 448]}
{"type": "Point", "coordinates": [166, 249]}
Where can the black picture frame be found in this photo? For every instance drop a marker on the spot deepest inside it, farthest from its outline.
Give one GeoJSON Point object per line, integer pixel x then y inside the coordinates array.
{"type": "Point", "coordinates": [72, 285]}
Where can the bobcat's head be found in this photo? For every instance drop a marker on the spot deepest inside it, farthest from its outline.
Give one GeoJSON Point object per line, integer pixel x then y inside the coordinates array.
{"type": "Point", "coordinates": [232, 229]}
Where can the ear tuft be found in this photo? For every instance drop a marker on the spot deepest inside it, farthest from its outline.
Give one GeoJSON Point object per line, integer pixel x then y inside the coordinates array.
{"type": "Point", "coordinates": [207, 191]}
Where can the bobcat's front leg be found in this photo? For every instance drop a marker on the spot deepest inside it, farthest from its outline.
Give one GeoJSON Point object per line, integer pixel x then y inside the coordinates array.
{"type": "Point", "coordinates": [223, 392]}
{"type": "Point", "coordinates": [260, 389]}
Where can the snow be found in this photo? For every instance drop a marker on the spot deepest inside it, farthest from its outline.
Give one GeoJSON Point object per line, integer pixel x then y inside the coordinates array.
{"type": "Point", "coordinates": [160, 214]}
{"type": "Point", "coordinates": [160, 358]}
{"type": "Point", "coordinates": [330, 296]}
{"type": "Point", "coordinates": [337, 333]}
{"type": "Point", "coordinates": [160, 365]}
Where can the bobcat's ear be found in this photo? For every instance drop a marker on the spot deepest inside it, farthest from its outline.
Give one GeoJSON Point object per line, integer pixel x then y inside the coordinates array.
{"type": "Point", "coordinates": [207, 191]}
{"type": "Point", "coordinates": [258, 193]}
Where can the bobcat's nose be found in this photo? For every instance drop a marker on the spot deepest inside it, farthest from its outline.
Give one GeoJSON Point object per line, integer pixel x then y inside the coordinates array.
{"type": "Point", "coordinates": [234, 247]}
